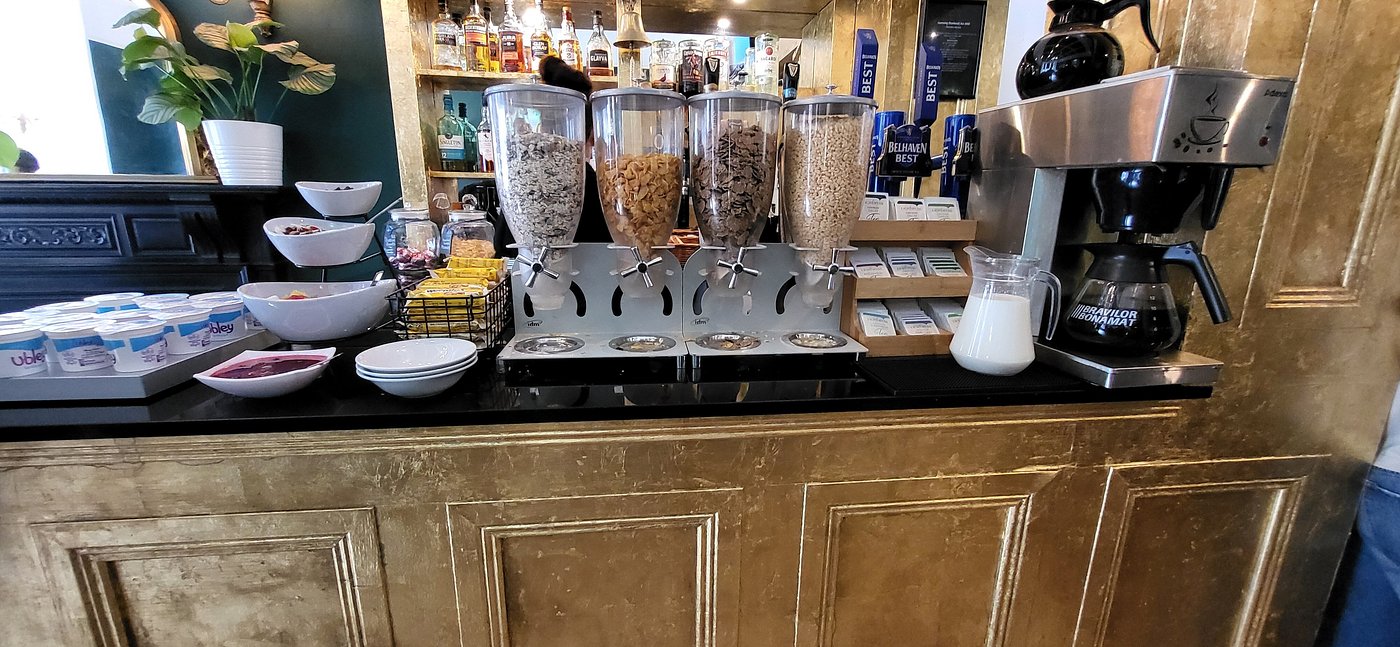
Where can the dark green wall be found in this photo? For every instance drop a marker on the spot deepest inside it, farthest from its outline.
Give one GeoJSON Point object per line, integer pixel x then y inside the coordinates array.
{"type": "Point", "coordinates": [346, 134]}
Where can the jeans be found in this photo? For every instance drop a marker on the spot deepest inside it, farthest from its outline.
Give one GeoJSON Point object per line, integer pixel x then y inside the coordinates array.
{"type": "Point", "coordinates": [1370, 613]}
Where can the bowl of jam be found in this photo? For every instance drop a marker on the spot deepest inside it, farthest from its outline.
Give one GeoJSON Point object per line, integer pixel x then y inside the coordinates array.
{"type": "Point", "coordinates": [267, 374]}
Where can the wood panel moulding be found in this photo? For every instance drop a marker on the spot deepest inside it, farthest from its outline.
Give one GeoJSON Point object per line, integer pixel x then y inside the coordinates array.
{"type": "Point", "coordinates": [309, 577]}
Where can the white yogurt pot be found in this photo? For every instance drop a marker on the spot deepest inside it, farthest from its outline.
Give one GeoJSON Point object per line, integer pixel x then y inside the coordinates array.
{"type": "Point", "coordinates": [117, 316]}
{"type": "Point", "coordinates": [56, 318]}
{"type": "Point", "coordinates": [186, 329]}
{"type": "Point", "coordinates": [14, 318]}
{"type": "Point", "coordinates": [21, 351]}
{"type": "Point", "coordinates": [76, 346]}
{"type": "Point", "coordinates": [230, 294]}
{"type": "Point", "coordinates": [157, 299]}
{"type": "Point", "coordinates": [115, 301]}
{"type": "Point", "coordinates": [136, 345]}
{"type": "Point", "coordinates": [64, 307]}
{"type": "Point", "coordinates": [226, 319]}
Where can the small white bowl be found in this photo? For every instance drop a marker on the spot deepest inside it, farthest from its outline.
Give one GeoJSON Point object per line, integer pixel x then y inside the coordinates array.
{"type": "Point", "coordinates": [331, 311]}
{"type": "Point", "coordinates": [417, 376]}
{"type": "Point", "coordinates": [337, 243]}
{"type": "Point", "coordinates": [416, 387]}
{"type": "Point", "coordinates": [340, 199]}
{"type": "Point", "coordinates": [413, 356]}
{"type": "Point", "coordinates": [273, 385]}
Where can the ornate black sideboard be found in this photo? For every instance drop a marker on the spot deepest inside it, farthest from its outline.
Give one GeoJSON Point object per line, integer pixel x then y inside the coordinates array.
{"type": "Point", "coordinates": [68, 239]}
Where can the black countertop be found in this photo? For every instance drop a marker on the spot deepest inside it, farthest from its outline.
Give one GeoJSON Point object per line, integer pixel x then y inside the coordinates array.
{"type": "Point", "coordinates": [342, 401]}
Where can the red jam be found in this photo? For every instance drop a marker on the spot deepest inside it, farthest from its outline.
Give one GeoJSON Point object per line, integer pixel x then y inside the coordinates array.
{"type": "Point", "coordinates": [268, 366]}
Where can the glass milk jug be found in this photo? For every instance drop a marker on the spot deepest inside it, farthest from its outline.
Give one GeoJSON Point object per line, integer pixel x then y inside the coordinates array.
{"type": "Point", "coordinates": [995, 335]}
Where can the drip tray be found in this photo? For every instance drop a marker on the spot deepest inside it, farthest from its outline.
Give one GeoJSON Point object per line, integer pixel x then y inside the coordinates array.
{"type": "Point", "coordinates": [573, 359]}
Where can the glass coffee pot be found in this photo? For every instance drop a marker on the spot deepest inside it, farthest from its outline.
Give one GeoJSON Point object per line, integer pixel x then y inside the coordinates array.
{"type": "Point", "coordinates": [1125, 306]}
{"type": "Point", "coordinates": [995, 336]}
{"type": "Point", "coordinates": [1078, 52]}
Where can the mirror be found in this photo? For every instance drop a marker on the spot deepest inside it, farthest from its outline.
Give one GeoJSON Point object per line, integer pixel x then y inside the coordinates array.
{"type": "Point", "coordinates": [65, 103]}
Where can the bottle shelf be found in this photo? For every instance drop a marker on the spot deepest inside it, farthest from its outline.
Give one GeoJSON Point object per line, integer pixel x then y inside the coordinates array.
{"type": "Point", "coordinates": [462, 175]}
{"type": "Point", "coordinates": [909, 288]}
{"type": "Point", "coordinates": [483, 80]}
{"type": "Point", "coordinates": [913, 231]}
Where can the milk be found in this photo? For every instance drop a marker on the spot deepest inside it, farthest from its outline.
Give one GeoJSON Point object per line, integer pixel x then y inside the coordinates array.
{"type": "Point", "coordinates": [994, 336]}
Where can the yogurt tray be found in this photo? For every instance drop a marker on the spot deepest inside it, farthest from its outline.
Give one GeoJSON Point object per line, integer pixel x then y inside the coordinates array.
{"type": "Point", "coordinates": [107, 384]}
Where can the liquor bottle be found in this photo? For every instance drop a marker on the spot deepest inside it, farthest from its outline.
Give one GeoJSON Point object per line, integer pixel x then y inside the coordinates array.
{"type": "Point", "coordinates": [764, 72]}
{"type": "Point", "coordinates": [469, 143]}
{"type": "Point", "coordinates": [476, 56]}
{"type": "Point", "coordinates": [452, 151]}
{"type": "Point", "coordinates": [599, 49]}
{"type": "Point", "coordinates": [569, 49]}
{"type": "Point", "coordinates": [493, 41]}
{"type": "Point", "coordinates": [514, 47]}
{"type": "Point", "coordinates": [541, 40]}
{"type": "Point", "coordinates": [485, 142]}
{"type": "Point", "coordinates": [447, 40]}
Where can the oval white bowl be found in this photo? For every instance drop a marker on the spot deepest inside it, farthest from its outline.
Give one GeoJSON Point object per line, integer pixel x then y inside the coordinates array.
{"type": "Point", "coordinates": [337, 243]}
{"type": "Point", "coordinates": [415, 355]}
{"type": "Point", "coordinates": [418, 387]}
{"type": "Point", "coordinates": [332, 311]}
{"type": "Point", "coordinates": [271, 386]}
{"type": "Point", "coordinates": [354, 198]}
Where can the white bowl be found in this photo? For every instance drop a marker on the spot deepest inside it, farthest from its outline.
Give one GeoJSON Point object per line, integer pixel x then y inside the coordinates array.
{"type": "Point", "coordinates": [416, 387]}
{"type": "Point", "coordinates": [340, 199]}
{"type": "Point", "coordinates": [273, 385]}
{"type": "Point", "coordinates": [415, 355]}
{"type": "Point", "coordinates": [331, 311]}
{"type": "Point", "coordinates": [337, 243]}
{"type": "Point", "coordinates": [418, 376]}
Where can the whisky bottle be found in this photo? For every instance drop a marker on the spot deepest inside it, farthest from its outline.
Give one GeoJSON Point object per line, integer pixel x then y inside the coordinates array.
{"type": "Point", "coordinates": [493, 41]}
{"type": "Point", "coordinates": [447, 40]}
{"type": "Point", "coordinates": [452, 146]}
{"type": "Point", "coordinates": [476, 55]}
{"type": "Point", "coordinates": [599, 49]}
{"type": "Point", "coordinates": [569, 49]}
{"type": "Point", "coordinates": [469, 145]}
{"type": "Point", "coordinates": [485, 142]}
{"type": "Point", "coordinates": [514, 46]}
{"type": "Point", "coordinates": [541, 40]}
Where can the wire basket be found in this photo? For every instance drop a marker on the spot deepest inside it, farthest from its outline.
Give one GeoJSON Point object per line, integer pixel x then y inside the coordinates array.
{"type": "Point", "coordinates": [484, 319]}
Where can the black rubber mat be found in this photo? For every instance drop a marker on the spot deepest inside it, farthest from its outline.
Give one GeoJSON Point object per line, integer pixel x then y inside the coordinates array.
{"type": "Point", "coordinates": [941, 374]}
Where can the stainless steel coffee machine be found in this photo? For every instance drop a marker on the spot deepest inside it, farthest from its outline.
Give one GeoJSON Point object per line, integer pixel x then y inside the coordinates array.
{"type": "Point", "coordinates": [1113, 169]}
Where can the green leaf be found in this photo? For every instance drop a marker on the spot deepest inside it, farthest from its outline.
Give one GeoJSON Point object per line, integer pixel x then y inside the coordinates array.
{"type": "Point", "coordinates": [207, 73]}
{"type": "Point", "coordinates": [9, 151]}
{"type": "Point", "coordinates": [240, 36]}
{"type": "Point", "coordinates": [213, 35]}
{"type": "Point", "coordinates": [145, 50]}
{"type": "Point", "coordinates": [146, 16]}
{"type": "Point", "coordinates": [283, 51]}
{"type": "Point", "coordinates": [160, 108]}
{"type": "Point", "coordinates": [189, 118]}
{"type": "Point", "coordinates": [311, 80]}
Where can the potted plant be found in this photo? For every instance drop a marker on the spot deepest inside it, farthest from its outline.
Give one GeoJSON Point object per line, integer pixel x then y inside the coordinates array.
{"type": "Point", "coordinates": [9, 152]}
{"type": "Point", "coordinates": [246, 149]}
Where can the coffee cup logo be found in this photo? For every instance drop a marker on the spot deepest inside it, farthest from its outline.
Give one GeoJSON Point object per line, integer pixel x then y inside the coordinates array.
{"type": "Point", "coordinates": [1205, 133]}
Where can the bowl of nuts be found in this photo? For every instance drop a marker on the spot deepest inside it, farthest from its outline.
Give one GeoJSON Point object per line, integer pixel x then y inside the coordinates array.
{"type": "Point", "coordinates": [340, 199]}
{"type": "Point", "coordinates": [310, 242]}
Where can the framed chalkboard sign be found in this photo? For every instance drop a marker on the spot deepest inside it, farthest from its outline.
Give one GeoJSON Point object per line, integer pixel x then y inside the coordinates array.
{"type": "Point", "coordinates": [957, 25]}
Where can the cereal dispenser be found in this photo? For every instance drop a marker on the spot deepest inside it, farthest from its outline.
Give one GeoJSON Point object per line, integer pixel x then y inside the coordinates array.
{"type": "Point", "coordinates": [825, 152]}
{"type": "Point", "coordinates": [638, 141]}
{"type": "Point", "coordinates": [733, 155]}
{"type": "Point", "coordinates": [539, 144]}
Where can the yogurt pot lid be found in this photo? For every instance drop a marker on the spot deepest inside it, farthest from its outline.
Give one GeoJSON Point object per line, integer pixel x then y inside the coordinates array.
{"type": "Point", "coordinates": [131, 328]}
{"type": "Point", "coordinates": [18, 333]}
{"type": "Point", "coordinates": [61, 306]}
{"type": "Point", "coordinates": [14, 318]}
{"type": "Point", "coordinates": [122, 315]}
{"type": "Point", "coordinates": [114, 296]}
{"type": "Point", "coordinates": [215, 295]}
{"type": "Point", "coordinates": [69, 327]}
{"type": "Point", "coordinates": [182, 312]}
{"type": "Point", "coordinates": [67, 317]}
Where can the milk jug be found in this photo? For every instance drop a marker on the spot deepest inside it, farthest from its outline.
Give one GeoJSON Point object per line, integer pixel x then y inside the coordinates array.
{"type": "Point", "coordinates": [995, 335]}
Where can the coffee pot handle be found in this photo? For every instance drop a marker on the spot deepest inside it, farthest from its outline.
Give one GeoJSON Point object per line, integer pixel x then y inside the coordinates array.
{"type": "Point", "coordinates": [1144, 12]}
{"type": "Point", "coordinates": [1052, 285]}
{"type": "Point", "coordinates": [1190, 255]}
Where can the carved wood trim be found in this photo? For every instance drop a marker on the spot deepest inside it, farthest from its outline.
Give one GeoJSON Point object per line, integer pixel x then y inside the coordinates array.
{"type": "Point", "coordinates": [80, 558]}
{"type": "Point", "coordinates": [215, 448]}
{"type": "Point", "coordinates": [1128, 484]}
{"type": "Point", "coordinates": [478, 531]}
{"type": "Point", "coordinates": [829, 505]}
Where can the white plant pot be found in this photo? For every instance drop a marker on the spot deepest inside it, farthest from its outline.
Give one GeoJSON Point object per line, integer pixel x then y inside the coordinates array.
{"type": "Point", "coordinates": [246, 152]}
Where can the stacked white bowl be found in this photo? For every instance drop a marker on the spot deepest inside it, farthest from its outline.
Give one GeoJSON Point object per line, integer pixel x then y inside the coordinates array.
{"type": "Point", "coordinates": [417, 368]}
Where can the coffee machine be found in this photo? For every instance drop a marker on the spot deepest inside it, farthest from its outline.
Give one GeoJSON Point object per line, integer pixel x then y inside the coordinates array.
{"type": "Point", "coordinates": [1112, 170]}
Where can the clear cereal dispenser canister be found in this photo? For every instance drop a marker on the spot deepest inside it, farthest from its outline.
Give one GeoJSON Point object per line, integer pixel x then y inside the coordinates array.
{"type": "Point", "coordinates": [733, 161]}
{"type": "Point", "coordinates": [638, 141]}
{"type": "Point", "coordinates": [540, 142]}
{"type": "Point", "coordinates": [826, 147]}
